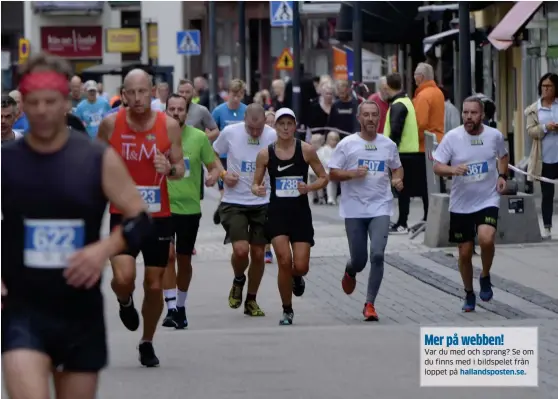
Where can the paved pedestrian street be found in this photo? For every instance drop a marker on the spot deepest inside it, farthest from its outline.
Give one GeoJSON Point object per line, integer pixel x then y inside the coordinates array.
{"type": "Point", "coordinates": [329, 353]}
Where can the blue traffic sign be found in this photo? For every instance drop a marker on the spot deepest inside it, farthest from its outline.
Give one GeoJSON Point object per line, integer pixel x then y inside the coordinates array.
{"type": "Point", "coordinates": [281, 13]}
{"type": "Point", "coordinates": [188, 42]}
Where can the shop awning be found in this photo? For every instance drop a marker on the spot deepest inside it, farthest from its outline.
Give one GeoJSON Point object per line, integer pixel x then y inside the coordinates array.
{"type": "Point", "coordinates": [438, 38]}
{"type": "Point", "coordinates": [503, 35]}
{"type": "Point", "coordinates": [390, 22]}
{"type": "Point", "coordinates": [68, 7]}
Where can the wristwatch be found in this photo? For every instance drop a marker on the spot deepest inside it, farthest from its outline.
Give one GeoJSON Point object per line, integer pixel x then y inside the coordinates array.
{"type": "Point", "coordinates": [172, 170]}
{"type": "Point", "coordinates": [503, 176]}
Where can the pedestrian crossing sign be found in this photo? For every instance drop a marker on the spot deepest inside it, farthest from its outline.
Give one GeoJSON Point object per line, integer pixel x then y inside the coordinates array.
{"type": "Point", "coordinates": [281, 13]}
{"type": "Point", "coordinates": [285, 61]}
{"type": "Point", "coordinates": [188, 42]}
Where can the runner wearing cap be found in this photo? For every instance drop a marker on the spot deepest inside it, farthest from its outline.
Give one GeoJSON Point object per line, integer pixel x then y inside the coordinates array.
{"type": "Point", "coordinates": [92, 110]}
{"type": "Point", "coordinates": [243, 214]}
{"type": "Point", "coordinates": [289, 218]}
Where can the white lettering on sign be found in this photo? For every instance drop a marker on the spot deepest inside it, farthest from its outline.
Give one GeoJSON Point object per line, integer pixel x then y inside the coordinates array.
{"type": "Point", "coordinates": [80, 43]}
{"type": "Point", "coordinates": [130, 153]}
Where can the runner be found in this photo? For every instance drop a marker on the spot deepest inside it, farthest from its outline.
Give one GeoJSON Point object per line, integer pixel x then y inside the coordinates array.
{"type": "Point", "coordinates": [289, 223]}
{"type": "Point", "coordinates": [361, 162]}
{"type": "Point", "coordinates": [185, 206]}
{"type": "Point", "coordinates": [472, 150]}
{"type": "Point", "coordinates": [52, 260]}
{"type": "Point", "coordinates": [145, 139]}
{"type": "Point", "coordinates": [226, 114]}
{"type": "Point", "coordinates": [243, 214]}
{"type": "Point", "coordinates": [9, 112]}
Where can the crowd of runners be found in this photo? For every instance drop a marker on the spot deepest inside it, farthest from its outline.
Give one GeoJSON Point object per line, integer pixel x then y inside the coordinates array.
{"type": "Point", "coordinates": [149, 166]}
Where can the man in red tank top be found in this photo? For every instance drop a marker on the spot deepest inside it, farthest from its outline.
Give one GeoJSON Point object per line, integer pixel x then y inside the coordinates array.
{"type": "Point", "coordinates": [150, 144]}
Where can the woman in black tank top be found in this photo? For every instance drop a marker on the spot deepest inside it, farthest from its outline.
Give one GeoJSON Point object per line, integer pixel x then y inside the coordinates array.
{"type": "Point", "coordinates": [289, 218]}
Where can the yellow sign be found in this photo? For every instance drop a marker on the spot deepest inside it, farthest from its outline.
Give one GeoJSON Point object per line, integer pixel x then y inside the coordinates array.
{"type": "Point", "coordinates": [24, 49]}
{"type": "Point", "coordinates": [285, 61]}
{"type": "Point", "coordinates": [125, 40]}
{"type": "Point", "coordinates": [153, 41]}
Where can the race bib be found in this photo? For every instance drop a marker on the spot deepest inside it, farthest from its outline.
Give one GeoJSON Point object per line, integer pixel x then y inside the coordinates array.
{"type": "Point", "coordinates": [476, 171]}
{"type": "Point", "coordinates": [186, 167]}
{"type": "Point", "coordinates": [49, 243]}
{"type": "Point", "coordinates": [152, 197]}
{"type": "Point", "coordinates": [287, 186]}
{"type": "Point", "coordinates": [375, 168]}
{"type": "Point", "coordinates": [95, 119]}
{"type": "Point", "coordinates": [248, 167]}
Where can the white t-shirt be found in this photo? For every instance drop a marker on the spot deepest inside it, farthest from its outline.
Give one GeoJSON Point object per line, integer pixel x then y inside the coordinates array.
{"type": "Point", "coordinates": [371, 195]}
{"type": "Point", "coordinates": [476, 190]}
{"type": "Point", "coordinates": [242, 150]}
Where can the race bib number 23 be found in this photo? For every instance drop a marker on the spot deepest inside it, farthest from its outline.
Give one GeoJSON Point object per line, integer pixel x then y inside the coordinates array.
{"type": "Point", "coordinates": [49, 243]}
{"type": "Point", "coordinates": [152, 197]}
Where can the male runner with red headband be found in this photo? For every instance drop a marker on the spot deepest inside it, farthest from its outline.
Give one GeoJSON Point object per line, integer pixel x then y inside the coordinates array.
{"type": "Point", "coordinates": [150, 144]}
{"type": "Point", "coordinates": [52, 315]}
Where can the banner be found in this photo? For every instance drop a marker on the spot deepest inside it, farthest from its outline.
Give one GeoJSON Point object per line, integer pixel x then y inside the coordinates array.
{"type": "Point", "coordinates": [124, 40]}
{"type": "Point", "coordinates": [339, 64]}
{"type": "Point", "coordinates": [153, 41]}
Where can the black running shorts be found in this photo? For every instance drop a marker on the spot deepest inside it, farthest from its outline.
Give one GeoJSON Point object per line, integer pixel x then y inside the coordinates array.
{"type": "Point", "coordinates": [463, 226]}
{"type": "Point", "coordinates": [75, 344]}
{"type": "Point", "coordinates": [294, 222]}
{"type": "Point", "coordinates": [186, 230]}
{"type": "Point", "coordinates": [155, 249]}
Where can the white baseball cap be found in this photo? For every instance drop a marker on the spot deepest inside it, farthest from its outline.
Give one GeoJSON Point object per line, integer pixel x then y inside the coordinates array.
{"type": "Point", "coordinates": [90, 85]}
{"type": "Point", "coordinates": [284, 112]}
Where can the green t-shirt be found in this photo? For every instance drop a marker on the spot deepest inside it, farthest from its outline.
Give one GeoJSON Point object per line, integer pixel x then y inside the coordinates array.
{"type": "Point", "coordinates": [184, 194]}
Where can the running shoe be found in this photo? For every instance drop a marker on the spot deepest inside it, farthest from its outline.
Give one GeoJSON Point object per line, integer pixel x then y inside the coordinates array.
{"type": "Point", "coordinates": [287, 319]}
{"type": "Point", "coordinates": [348, 283]}
{"type": "Point", "coordinates": [398, 230]}
{"type": "Point", "coordinates": [235, 295]}
{"type": "Point", "coordinates": [251, 308]}
{"type": "Point", "coordinates": [170, 319]}
{"type": "Point", "coordinates": [180, 318]}
{"type": "Point", "coordinates": [469, 302]}
{"type": "Point", "coordinates": [486, 292]}
{"type": "Point", "coordinates": [147, 355]}
{"type": "Point", "coordinates": [298, 286]}
{"type": "Point", "coordinates": [369, 312]}
{"type": "Point", "coordinates": [268, 257]}
{"type": "Point", "coordinates": [129, 315]}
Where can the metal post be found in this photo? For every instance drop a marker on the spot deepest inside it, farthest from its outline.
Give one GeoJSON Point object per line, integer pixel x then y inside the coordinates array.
{"type": "Point", "coordinates": [357, 41]}
{"type": "Point", "coordinates": [242, 38]}
{"type": "Point", "coordinates": [464, 51]}
{"type": "Point", "coordinates": [296, 58]}
{"type": "Point", "coordinates": [212, 54]}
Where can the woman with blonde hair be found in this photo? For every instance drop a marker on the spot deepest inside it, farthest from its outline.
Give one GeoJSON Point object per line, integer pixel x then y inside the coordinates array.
{"type": "Point", "coordinates": [278, 88]}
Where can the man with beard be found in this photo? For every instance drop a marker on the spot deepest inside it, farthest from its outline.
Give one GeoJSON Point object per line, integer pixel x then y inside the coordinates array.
{"type": "Point", "coordinates": [361, 162]}
{"type": "Point", "coordinates": [151, 145]}
{"type": "Point", "coordinates": [185, 204]}
{"type": "Point", "coordinates": [9, 112]}
{"type": "Point", "coordinates": [471, 150]}
{"type": "Point", "coordinates": [55, 185]}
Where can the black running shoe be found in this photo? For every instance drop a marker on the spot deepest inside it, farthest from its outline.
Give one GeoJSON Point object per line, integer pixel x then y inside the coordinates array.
{"type": "Point", "coordinates": [147, 355]}
{"type": "Point", "coordinates": [298, 286]}
{"type": "Point", "coordinates": [180, 318]}
{"type": "Point", "coordinates": [129, 315]}
{"type": "Point", "coordinates": [216, 217]}
{"type": "Point", "coordinates": [171, 318]}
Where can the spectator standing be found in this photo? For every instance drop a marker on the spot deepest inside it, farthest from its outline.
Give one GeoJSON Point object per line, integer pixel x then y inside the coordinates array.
{"type": "Point", "coordinates": [342, 117]}
{"type": "Point", "coordinates": [381, 98]}
{"type": "Point", "coordinates": [452, 118]}
{"type": "Point", "coordinates": [318, 113]}
{"type": "Point", "coordinates": [429, 104]}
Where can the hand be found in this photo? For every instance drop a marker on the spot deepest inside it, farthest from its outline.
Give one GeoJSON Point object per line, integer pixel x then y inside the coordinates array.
{"type": "Point", "coordinates": [501, 185]}
{"type": "Point", "coordinates": [460, 170]}
{"type": "Point", "coordinates": [85, 266]}
{"type": "Point", "coordinates": [361, 171]}
{"type": "Point", "coordinates": [397, 183]}
{"type": "Point", "coordinates": [162, 164]}
{"type": "Point", "coordinates": [260, 190]}
{"type": "Point", "coordinates": [552, 126]}
{"type": "Point", "coordinates": [302, 188]}
{"type": "Point", "coordinates": [211, 180]}
{"type": "Point", "coordinates": [231, 179]}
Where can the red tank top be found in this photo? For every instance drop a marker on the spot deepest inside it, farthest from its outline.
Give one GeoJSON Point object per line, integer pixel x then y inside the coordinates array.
{"type": "Point", "coordinates": [138, 150]}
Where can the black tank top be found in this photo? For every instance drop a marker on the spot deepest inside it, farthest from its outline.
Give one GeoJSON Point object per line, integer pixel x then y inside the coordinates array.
{"type": "Point", "coordinates": [52, 205]}
{"type": "Point", "coordinates": [285, 175]}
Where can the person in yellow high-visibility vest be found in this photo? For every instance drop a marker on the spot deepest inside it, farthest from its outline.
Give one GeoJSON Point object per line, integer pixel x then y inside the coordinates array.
{"type": "Point", "coordinates": [401, 127]}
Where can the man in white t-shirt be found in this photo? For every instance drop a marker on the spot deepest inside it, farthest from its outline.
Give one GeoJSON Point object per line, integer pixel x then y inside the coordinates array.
{"type": "Point", "coordinates": [478, 160]}
{"type": "Point", "coordinates": [243, 214]}
{"type": "Point", "coordinates": [361, 162]}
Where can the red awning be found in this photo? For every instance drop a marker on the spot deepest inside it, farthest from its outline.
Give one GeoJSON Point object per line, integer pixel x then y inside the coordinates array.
{"type": "Point", "coordinates": [502, 36]}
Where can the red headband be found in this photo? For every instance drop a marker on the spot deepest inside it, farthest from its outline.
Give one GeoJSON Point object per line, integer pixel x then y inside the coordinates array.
{"type": "Point", "coordinates": [47, 80]}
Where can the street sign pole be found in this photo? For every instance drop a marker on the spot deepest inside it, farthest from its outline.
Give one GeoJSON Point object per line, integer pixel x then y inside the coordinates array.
{"type": "Point", "coordinates": [212, 55]}
{"type": "Point", "coordinates": [188, 68]}
{"type": "Point", "coordinates": [296, 59]}
{"type": "Point", "coordinates": [357, 40]}
{"type": "Point", "coordinates": [242, 38]}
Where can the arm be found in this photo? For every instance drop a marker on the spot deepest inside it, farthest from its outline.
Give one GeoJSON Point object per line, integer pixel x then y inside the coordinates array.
{"type": "Point", "coordinates": [336, 165]}
{"type": "Point", "coordinates": [106, 128]}
{"type": "Point", "coordinates": [398, 115]}
{"type": "Point", "coordinates": [221, 144]}
{"type": "Point", "coordinates": [442, 156]}
{"type": "Point", "coordinates": [214, 166]}
{"type": "Point", "coordinates": [422, 110]}
{"type": "Point", "coordinates": [313, 160]}
{"type": "Point", "coordinates": [176, 155]}
{"type": "Point", "coordinates": [211, 129]}
{"type": "Point", "coordinates": [503, 156]}
{"type": "Point", "coordinates": [120, 189]}
{"type": "Point", "coordinates": [534, 129]}
{"type": "Point", "coordinates": [261, 165]}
